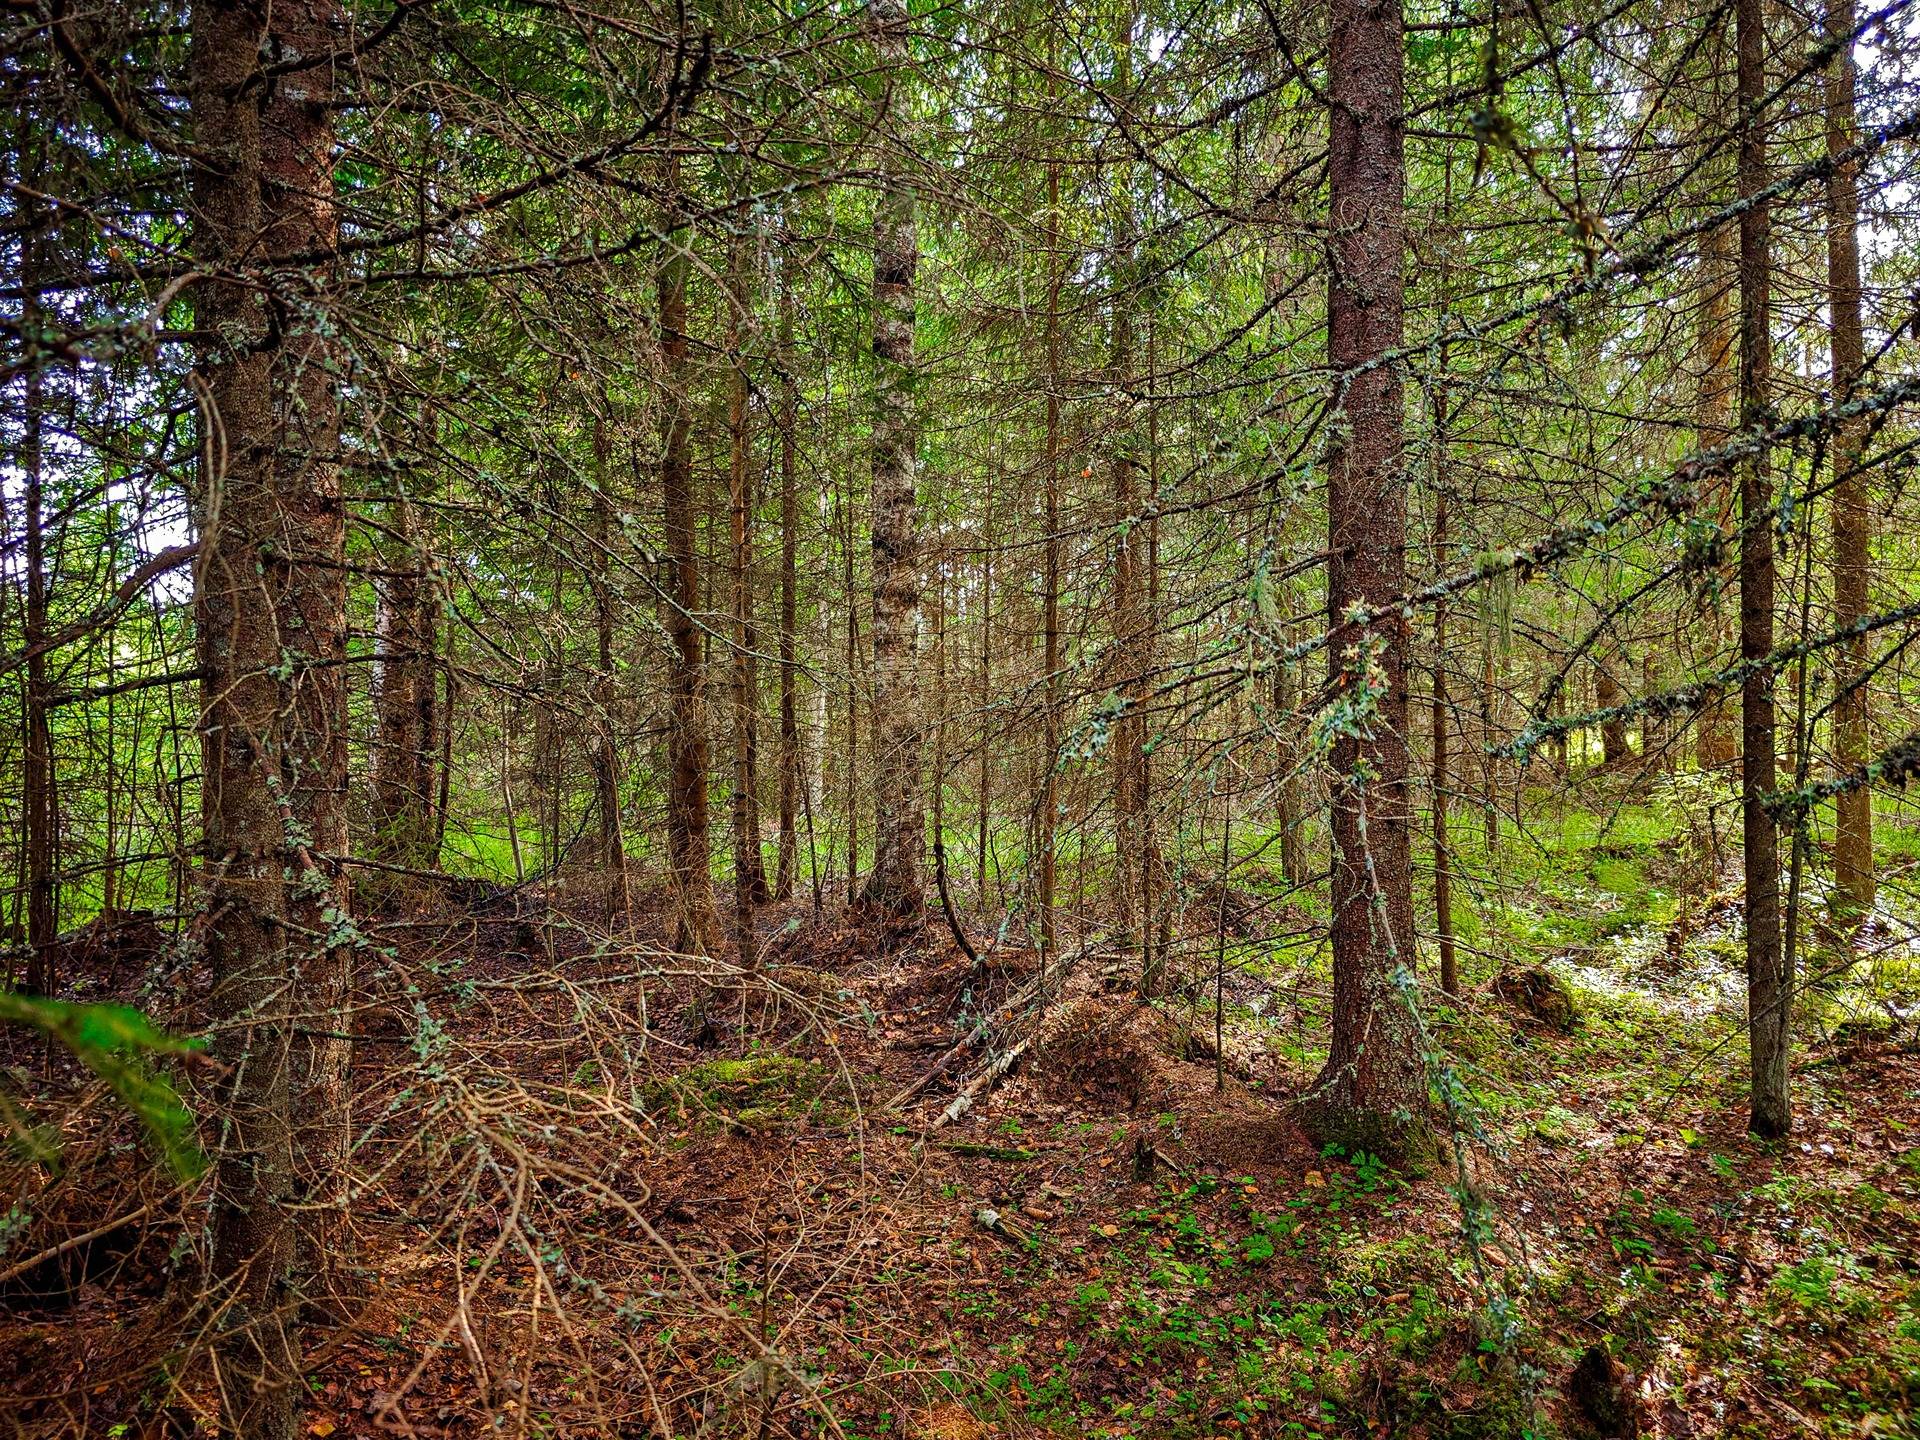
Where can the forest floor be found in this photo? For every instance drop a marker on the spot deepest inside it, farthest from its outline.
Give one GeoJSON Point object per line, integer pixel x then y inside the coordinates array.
{"type": "Point", "coordinates": [586, 1204]}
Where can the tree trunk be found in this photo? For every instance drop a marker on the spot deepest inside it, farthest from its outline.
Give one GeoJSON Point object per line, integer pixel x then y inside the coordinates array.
{"type": "Point", "coordinates": [789, 598]}
{"type": "Point", "coordinates": [606, 748]}
{"type": "Point", "coordinates": [1290, 814]}
{"type": "Point", "coordinates": [549, 717]}
{"type": "Point", "coordinates": [1607, 694]}
{"type": "Point", "coordinates": [1156, 908]}
{"type": "Point", "coordinates": [309, 589]}
{"type": "Point", "coordinates": [1129, 623]}
{"type": "Point", "coordinates": [237, 633]}
{"type": "Point", "coordinates": [853, 699]}
{"type": "Point", "coordinates": [1853, 874]}
{"type": "Point", "coordinates": [38, 778]}
{"type": "Point", "coordinates": [1769, 986]}
{"type": "Point", "coordinates": [749, 872]}
{"type": "Point", "coordinates": [1442, 778]}
{"type": "Point", "coordinates": [405, 823]}
{"type": "Point", "coordinates": [696, 925]}
{"type": "Point", "coordinates": [1372, 1093]}
{"type": "Point", "coordinates": [1653, 738]}
{"type": "Point", "coordinates": [900, 839]}
{"type": "Point", "coordinates": [1046, 841]}
{"type": "Point", "coordinates": [985, 798]}
{"type": "Point", "coordinates": [1556, 710]}
{"type": "Point", "coordinates": [937, 783]}
{"type": "Point", "coordinates": [1714, 742]}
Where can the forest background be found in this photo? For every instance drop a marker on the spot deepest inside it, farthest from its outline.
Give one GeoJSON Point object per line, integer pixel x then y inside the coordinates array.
{"type": "Point", "coordinates": [1231, 683]}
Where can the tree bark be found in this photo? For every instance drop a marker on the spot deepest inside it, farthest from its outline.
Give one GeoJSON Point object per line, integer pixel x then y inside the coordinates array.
{"type": "Point", "coordinates": [790, 759]}
{"type": "Point", "coordinates": [696, 923]}
{"type": "Point", "coordinates": [749, 870]}
{"type": "Point", "coordinates": [238, 513]}
{"type": "Point", "coordinates": [1853, 870]}
{"type": "Point", "coordinates": [1156, 898]}
{"type": "Point", "coordinates": [1290, 813]}
{"type": "Point", "coordinates": [1714, 742]}
{"type": "Point", "coordinates": [1442, 776]}
{"type": "Point", "coordinates": [1653, 738]}
{"type": "Point", "coordinates": [1607, 694]}
{"type": "Point", "coordinates": [896, 883]}
{"type": "Point", "coordinates": [38, 780]}
{"type": "Point", "coordinates": [1372, 1092]}
{"type": "Point", "coordinates": [1129, 623]}
{"type": "Point", "coordinates": [406, 702]}
{"type": "Point", "coordinates": [853, 699]}
{"type": "Point", "coordinates": [309, 588]}
{"type": "Point", "coordinates": [606, 746]}
{"type": "Point", "coordinates": [1769, 986]}
{"type": "Point", "coordinates": [1046, 840]}
{"type": "Point", "coordinates": [984, 836]}
{"type": "Point", "coordinates": [1490, 764]}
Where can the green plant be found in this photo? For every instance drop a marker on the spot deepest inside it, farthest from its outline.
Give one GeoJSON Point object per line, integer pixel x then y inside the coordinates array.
{"type": "Point", "coordinates": [117, 1043]}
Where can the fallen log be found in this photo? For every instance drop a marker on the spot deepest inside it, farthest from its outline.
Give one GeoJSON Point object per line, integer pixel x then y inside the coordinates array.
{"type": "Point", "coordinates": [990, 1024]}
{"type": "Point", "coordinates": [990, 1075]}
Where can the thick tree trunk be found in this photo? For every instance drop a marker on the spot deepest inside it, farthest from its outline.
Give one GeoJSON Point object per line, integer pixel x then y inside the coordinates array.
{"type": "Point", "coordinates": [1372, 1093]}
{"type": "Point", "coordinates": [1769, 986]}
{"type": "Point", "coordinates": [1853, 875]}
{"type": "Point", "coordinates": [696, 924]}
{"type": "Point", "coordinates": [297, 193]}
{"type": "Point", "coordinates": [900, 839]}
{"type": "Point", "coordinates": [239, 517]}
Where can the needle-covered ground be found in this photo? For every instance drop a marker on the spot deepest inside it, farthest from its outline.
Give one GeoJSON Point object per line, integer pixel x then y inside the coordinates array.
{"type": "Point", "coordinates": [602, 1190]}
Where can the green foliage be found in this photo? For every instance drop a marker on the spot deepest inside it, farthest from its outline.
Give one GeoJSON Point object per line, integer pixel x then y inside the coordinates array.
{"type": "Point", "coordinates": [117, 1043]}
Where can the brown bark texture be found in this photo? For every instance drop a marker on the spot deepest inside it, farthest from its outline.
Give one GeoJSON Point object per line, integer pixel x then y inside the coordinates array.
{"type": "Point", "coordinates": [896, 882]}
{"type": "Point", "coordinates": [244, 699]}
{"type": "Point", "coordinates": [696, 923]}
{"type": "Point", "coordinates": [1853, 871]}
{"type": "Point", "coordinates": [1372, 1093]}
{"type": "Point", "coordinates": [1769, 985]}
